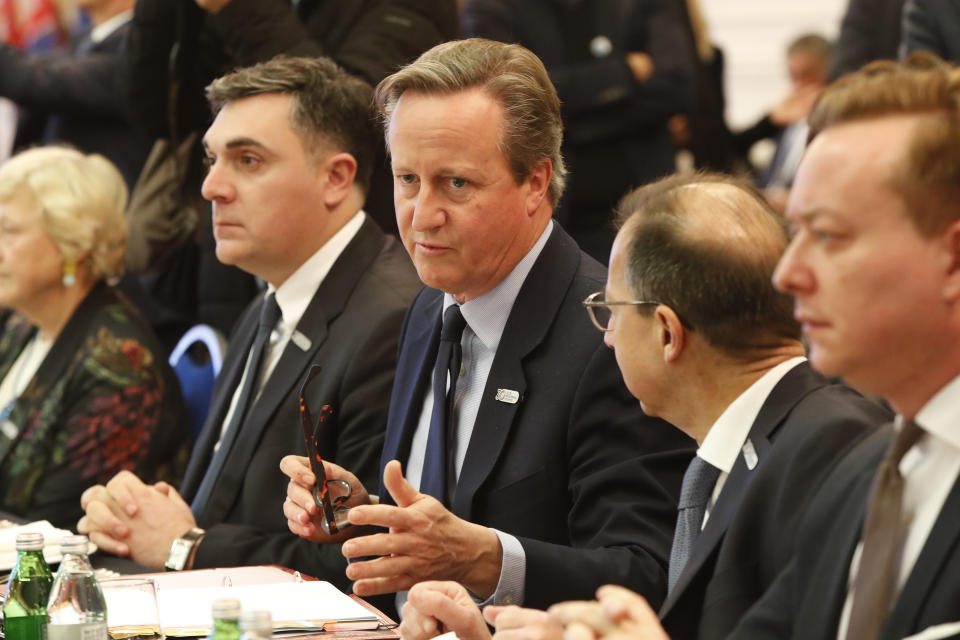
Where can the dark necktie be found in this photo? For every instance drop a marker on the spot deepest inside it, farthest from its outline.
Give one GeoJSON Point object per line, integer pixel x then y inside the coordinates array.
{"type": "Point", "coordinates": [873, 586]}
{"type": "Point", "coordinates": [698, 483]}
{"type": "Point", "coordinates": [438, 458]}
{"type": "Point", "coordinates": [269, 314]}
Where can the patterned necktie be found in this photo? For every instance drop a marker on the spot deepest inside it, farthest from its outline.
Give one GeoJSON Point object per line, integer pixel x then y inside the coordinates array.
{"type": "Point", "coordinates": [883, 533]}
{"type": "Point", "coordinates": [269, 315]}
{"type": "Point", "coordinates": [698, 483]}
{"type": "Point", "coordinates": [436, 475]}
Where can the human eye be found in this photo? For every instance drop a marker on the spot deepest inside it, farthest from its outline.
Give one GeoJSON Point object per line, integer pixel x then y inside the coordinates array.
{"type": "Point", "coordinates": [249, 160]}
{"type": "Point", "coordinates": [406, 178]}
{"type": "Point", "coordinates": [458, 183]}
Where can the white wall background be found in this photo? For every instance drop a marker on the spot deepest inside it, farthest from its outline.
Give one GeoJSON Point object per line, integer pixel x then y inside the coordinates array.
{"type": "Point", "coordinates": [753, 35]}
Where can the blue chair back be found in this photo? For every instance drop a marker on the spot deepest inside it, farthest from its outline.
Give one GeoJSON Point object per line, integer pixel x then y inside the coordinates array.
{"type": "Point", "coordinates": [197, 360]}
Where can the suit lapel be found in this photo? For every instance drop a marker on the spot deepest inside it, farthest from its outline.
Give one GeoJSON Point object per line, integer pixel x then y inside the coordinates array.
{"type": "Point", "coordinates": [928, 570]}
{"type": "Point", "coordinates": [532, 315]}
{"type": "Point", "coordinates": [327, 303]}
{"type": "Point", "coordinates": [796, 384]}
{"type": "Point", "coordinates": [421, 338]}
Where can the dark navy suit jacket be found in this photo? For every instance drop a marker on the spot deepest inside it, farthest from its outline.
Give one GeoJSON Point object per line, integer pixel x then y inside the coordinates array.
{"type": "Point", "coordinates": [574, 470]}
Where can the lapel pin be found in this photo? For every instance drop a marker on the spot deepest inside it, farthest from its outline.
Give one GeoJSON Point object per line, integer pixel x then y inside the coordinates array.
{"type": "Point", "coordinates": [301, 341]}
{"type": "Point", "coordinates": [750, 454]}
{"type": "Point", "coordinates": [509, 396]}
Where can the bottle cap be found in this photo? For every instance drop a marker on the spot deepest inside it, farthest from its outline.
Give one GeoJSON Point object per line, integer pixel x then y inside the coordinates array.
{"type": "Point", "coordinates": [29, 541]}
{"type": "Point", "coordinates": [258, 621]}
{"type": "Point", "coordinates": [74, 544]}
{"type": "Point", "coordinates": [226, 609]}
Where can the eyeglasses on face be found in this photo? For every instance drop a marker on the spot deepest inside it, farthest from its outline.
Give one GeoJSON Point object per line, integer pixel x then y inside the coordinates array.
{"type": "Point", "coordinates": [599, 309]}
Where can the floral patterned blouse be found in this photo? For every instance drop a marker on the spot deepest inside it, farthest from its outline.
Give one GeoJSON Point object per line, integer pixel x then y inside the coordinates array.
{"type": "Point", "coordinates": [101, 402]}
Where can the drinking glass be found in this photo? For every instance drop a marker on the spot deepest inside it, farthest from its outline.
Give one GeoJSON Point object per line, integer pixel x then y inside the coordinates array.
{"type": "Point", "coordinates": [132, 612]}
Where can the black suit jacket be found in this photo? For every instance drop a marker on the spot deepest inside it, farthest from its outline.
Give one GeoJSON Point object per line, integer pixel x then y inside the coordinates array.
{"type": "Point", "coordinates": [80, 96]}
{"type": "Point", "coordinates": [932, 25]}
{"type": "Point", "coordinates": [807, 599]}
{"type": "Point", "coordinates": [575, 470]}
{"type": "Point", "coordinates": [805, 425]}
{"type": "Point", "coordinates": [352, 324]}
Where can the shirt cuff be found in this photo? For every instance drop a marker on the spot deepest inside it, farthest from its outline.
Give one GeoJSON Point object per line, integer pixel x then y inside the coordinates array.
{"type": "Point", "coordinates": [513, 573]}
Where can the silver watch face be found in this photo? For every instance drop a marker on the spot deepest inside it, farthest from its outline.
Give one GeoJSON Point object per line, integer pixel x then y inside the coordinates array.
{"type": "Point", "coordinates": [178, 554]}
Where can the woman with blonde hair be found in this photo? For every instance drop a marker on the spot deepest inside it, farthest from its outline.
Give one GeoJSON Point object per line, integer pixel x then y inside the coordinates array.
{"type": "Point", "coordinates": [83, 391]}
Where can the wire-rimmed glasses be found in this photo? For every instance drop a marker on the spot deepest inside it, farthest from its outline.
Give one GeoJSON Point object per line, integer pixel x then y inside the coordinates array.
{"type": "Point", "coordinates": [599, 309]}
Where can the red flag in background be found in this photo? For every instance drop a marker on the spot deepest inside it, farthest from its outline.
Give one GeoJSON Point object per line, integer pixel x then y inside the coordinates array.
{"type": "Point", "coordinates": [31, 24]}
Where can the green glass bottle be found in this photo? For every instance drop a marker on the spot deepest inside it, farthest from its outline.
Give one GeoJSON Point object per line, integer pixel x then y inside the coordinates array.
{"type": "Point", "coordinates": [25, 605]}
{"type": "Point", "coordinates": [226, 613]}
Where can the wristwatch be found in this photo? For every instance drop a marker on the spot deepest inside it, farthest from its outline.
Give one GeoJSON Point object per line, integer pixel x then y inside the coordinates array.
{"type": "Point", "coordinates": [181, 548]}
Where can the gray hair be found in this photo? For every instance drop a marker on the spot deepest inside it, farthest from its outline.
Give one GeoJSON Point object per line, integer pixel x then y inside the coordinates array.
{"type": "Point", "coordinates": [515, 77]}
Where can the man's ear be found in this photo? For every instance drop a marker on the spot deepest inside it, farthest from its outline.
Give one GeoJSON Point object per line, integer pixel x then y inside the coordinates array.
{"type": "Point", "coordinates": [673, 335]}
{"type": "Point", "coordinates": [340, 171]}
{"type": "Point", "coordinates": [538, 181]}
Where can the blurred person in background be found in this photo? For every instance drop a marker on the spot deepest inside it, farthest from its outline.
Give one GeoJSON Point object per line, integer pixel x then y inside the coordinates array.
{"type": "Point", "coordinates": [83, 394]}
{"type": "Point", "coordinates": [74, 95]}
{"type": "Point", "coordinates": [622, 69]}
{"type": "Point", "coordinates": [702, 131]}
{"type": "Point", "coordinates": [807, 59]}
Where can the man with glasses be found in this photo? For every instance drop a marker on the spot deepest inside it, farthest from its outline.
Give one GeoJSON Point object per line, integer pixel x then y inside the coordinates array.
{"type": "Point", "coordinates": [518, 461]}
{"type": "Point", "coordinates": [704, 341]}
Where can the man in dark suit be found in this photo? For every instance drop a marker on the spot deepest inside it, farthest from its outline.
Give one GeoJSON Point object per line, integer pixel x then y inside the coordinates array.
{"type": "Point", "coordinates": [873, 267]}
{"type": "Point", "coordinates": [289, 157]}
{"type": "Point", "coordinates": [704, 340]}
{"type": "Point", "coordinates": [72, 96]}
{"type": "Point", "coordinates": [537, 477]}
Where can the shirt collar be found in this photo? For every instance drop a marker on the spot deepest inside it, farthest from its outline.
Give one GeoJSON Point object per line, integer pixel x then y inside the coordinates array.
{"type": "Point", "coordinates": [296, 292]}
{"type": "Point", "coordinates": [486, 315]}
{"type": "Point", "coordinates": [941, 414]}
{"type": "Point", "coordinates": [728, 434]}
{"type": "Point", "coordinates": [103, 30]}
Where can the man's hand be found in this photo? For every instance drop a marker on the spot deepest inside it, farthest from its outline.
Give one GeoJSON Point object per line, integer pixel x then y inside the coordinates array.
{"type": "Point", "coordinates": [425, 542]}
{"type": "Point", "coordinates": [619, 614]}
{"type": "Point", "coordinates": [130, 518]}
{"type": "Point", "coordinates": [517, 623]}
{"type": "Point", "coordinates": [303, 514]}
{"type": "Point", "coordinates": [212, 6]}
{"type": "Point", "coordinates": [796, 105]}
{"type": "Point", "coordinates": [641, 65]}
{"type": "Point", "coordinates": [433, 608]}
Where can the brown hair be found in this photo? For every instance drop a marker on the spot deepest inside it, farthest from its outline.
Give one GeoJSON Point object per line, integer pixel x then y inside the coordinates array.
{"type": "Point", "coordinates": [329, 106]}
{"type": "Point", "coordinates": [925, 86]}
{"type": "Point", "coordinates": [706, 245]}
{"type": "Point", "coordinates": [532, 126]}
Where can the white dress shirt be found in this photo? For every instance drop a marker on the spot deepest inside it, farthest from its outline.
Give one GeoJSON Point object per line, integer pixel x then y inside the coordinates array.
{"type": "Point", "coordinates": [727, 437]}
{"type": "Point", "coordinates": [486, 317]}
{"type": "Point", "coordinates": [929, 469]}
{"type": "Point", "coordinates": [293, 298]}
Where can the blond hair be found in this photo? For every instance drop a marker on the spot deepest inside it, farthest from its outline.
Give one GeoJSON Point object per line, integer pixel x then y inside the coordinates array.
{"type": "Point", "coordinates": [80, 200]}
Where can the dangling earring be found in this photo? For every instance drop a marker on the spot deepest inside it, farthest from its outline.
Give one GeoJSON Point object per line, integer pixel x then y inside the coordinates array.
{"type": "Point", "coordinates": [69, 272]}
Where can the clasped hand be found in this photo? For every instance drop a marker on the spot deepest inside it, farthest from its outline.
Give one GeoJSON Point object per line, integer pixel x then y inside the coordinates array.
{"type": "Point", "coordinates": [130, 518]}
